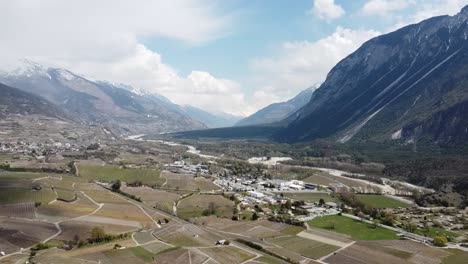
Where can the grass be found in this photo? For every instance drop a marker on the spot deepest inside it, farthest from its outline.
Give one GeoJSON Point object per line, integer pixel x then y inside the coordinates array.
{"type": "Point", "coordinates": [381, 201]}
{"type": "Point", "coordinates": [23, 195]}
{"type": "Point", "coordinates": [457, 257]}
{"type": "Point", "coordinates": [320, 180]}
{"type": "Point", "coordinates": [434, 231]}
{"type": "Point", "coordinates": [111, 173]}
{"type": "Point", "coordinates": [305, 247]}
{"type": "Point", "coordinates": [65, 195]}
{"type": "Point", "coordinates": [354, 228]}
{"type": "Point", "coordinates": [311, 197]}
{"type": "Point", "coordinates": [292, 230]}
{"type": "Point", "coordinates": [142, 253]}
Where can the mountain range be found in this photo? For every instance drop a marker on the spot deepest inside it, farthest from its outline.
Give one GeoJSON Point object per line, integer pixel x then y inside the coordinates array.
{"type": "Point", "coordinates": [118, 106]}
{"type": "Point", "coordinates": [278, 111]}
{"type": "Point", "coordinates": [407, 86]}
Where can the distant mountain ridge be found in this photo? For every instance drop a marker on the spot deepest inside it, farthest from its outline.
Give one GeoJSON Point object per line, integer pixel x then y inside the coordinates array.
{"type": "Point", "coordinates": [212, 120]}
{"type": "Point", "coordinates": [17, 102]}
{"type": "Point", "coordinates": [278, 111]}
{"type": "Point", "coordinates": [118, 106]}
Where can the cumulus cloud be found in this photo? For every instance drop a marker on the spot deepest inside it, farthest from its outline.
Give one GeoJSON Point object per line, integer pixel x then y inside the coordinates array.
{"type": "Point", "coordinates": [384, 7]}
{"type": "Point", "coordinates": [303, 64]}
{"type": "Point", "coordinates": [425, 9]}
{"type": "Point", "coordinates": [327, 9]}
{"type": "Point", "coordinates": [103, 40]}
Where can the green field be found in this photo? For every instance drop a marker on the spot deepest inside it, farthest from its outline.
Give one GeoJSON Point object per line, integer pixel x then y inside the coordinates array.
{"type": "Point", "coordinates": [354, 228]}
{"type": "Point", "coordinates": [311, 197]}
{"type": "Point", "coordinates": [380, 201]}
{"type": "Point", "coordinates": [65, 195]}
{"type": "Point", "coordinates": [306, 247]}
{"type": "Point", "coordinates": [22, 195]}
{"type": "Point", "coordinates": [142, 253]}
{"type": "Point", "coordinates": [434, 231]}
{"type": "Point", "coordinates": [111, 173]}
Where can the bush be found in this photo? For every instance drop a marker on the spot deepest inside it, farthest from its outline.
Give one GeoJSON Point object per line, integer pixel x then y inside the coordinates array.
{"type": "Point", "coordinates": [440, 241]}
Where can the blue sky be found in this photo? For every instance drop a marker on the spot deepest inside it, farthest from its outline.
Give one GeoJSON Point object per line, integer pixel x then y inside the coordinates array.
{"type": "Point", "coordinates": [233, 56]}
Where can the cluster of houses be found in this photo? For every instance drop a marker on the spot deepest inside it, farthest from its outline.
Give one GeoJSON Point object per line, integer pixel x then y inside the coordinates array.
{"type": "Point", "coordinates": [21, 147]}
{"type": "Point", "coordinates": [448, 219]}
{"type": "Point", "coordinates": [236, 184]}
{"type": "Point", "coordinates": [181, 166]}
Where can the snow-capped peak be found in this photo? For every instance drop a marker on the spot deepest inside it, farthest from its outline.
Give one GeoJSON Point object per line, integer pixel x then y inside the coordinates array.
{"type": "Point", "coordinates": [24, 67]}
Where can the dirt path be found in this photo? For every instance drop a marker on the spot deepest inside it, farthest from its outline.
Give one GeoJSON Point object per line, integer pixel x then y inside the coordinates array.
{"type": "Point", "coordinates": [57, 224]}
{"type": "Point", "coordinates": [141, 208]}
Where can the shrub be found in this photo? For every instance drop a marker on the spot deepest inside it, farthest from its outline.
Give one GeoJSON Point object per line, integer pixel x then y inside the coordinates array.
{"type": "Point", "coordinates": [440, 241]}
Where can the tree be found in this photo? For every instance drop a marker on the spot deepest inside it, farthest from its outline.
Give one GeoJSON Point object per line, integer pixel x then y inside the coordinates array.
{"type": "Point", "coordinates": [440, 241]}
{"type": "Point", "coordinates": [255, 216]}
{"type": "Point", "coordinates": [116, 186]}
{"type": "Point", "coordinates": [321, 201]}
{"type": "Point", "coordinates": [98, 234]}
{"type": "Point", "coordinates": [410, 227]}
{"type": "Point", "coordinates": [76, 239]}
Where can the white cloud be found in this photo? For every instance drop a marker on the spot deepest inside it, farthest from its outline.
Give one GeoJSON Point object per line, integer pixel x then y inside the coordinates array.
{"type": "Point", "coordinates": [384, 7]}
{"type": "Point", "coordinates": [303, 64]}
{"type": "Point", "coordinates": [426, 9]}
{"type": "Point", "coordinates": [102, 40]}
{"type": "Point", "coordinates": [327, 9]}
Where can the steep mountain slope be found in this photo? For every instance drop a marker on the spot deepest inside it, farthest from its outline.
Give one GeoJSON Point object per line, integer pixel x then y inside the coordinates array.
{"type": "Point", "coordinates": [408, 85]}
{"type": "Point", "coordinates": [212, 120]}
{"type": "Point", "coordinates": [99, 102]}
{"type": "Point", "coordinates": [278, 111]}
{"type": "Point", "coordinates": [15, 101]}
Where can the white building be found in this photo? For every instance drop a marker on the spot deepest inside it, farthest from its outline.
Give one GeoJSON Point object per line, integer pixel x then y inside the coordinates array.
{"type": "Point", "coordinates": [255, 194]}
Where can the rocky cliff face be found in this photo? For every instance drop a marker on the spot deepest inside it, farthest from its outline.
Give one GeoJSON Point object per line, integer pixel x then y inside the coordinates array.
{"type": "Point", "coordinates": [398, 86]}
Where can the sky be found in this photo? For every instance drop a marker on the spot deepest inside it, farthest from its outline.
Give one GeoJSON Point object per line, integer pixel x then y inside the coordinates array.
{"type": "Point", "coordinates": [233, 56]}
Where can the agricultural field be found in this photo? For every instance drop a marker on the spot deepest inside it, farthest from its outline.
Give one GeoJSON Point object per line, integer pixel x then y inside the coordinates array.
{"type": "Point", "coordinates": [108, 173]}
{"type": "Point", "coordinates": [228, 254]}
{"type": "Point", "coordinates": [312, 197]}
{"type": "Point", "coordinates": [354, 228]}
{"type": "Point", "coordinates": [156, 247]}
{"type": "Point", "coordinates": [456, 257]}
{"type": "Point", "coordinates": [82, 229]}
{"type": "Point", "coordinates": [11, 195]}
{"type": "Point", "coordinates": [155, 198]}
{"type": "Point", "coordinates": [21, 210]}
{"type": "Point", "coordinates": [187, 182]}
{"type": "Point", "coordinates": [195, 205]}
{"type": "Point", "coordinates": [60, 210]}
{"type": "Point", "coordinates": [319, 180]}
{"type": "Point", "coordinates": [306, 247]}
{"type": "Point", "coordinates": [186, 235]}
{"type": "Point", "coordinates": [181, 256]}
{"type": "Point", "coordinates": [390, 251]}
{"type": "Point", "coordinates": [380, 201]}
{"type": "Point", "coordinates": [18, 233]}
{"type": "Point", "coordinates": [255, 229]}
